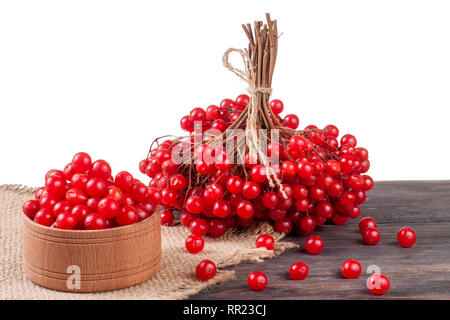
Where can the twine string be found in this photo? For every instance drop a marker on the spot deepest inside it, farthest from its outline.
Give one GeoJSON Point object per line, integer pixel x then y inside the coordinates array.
{"type": "Point", "coordinates": [249, 76]}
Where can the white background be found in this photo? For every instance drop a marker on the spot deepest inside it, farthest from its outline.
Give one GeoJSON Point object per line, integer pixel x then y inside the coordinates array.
{"type": "Point", "coordinates": [107, 77]}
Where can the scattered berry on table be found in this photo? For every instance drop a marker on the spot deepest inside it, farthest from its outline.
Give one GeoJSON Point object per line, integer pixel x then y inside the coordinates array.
{"type": "Point", "coordinates": [351, 269]}
{"type": "Point", "coordinates": [206, 270]}
{"type": "Point", "coordinates": [367, 222]}
{"type": "Point", "coordinates": [298, 271]}
{"type": "Point", "coordinates": [406, 237]}
{"type": "Point", "coordinates": [265, 241]}
{"type": "Point", "coordinates": [378, 283]}
{"type": "Point", "coordinates": [257, 280]}
{"type": "Point", "coordinates": [371, 236]}
{"type": "Point", "coordinates": [314, 245]}
{"type": "Point", "coordinates": [194, 244]}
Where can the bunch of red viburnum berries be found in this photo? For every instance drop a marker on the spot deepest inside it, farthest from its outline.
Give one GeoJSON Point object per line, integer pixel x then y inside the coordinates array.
{"type": "Point", "coordinates": [320, 177]}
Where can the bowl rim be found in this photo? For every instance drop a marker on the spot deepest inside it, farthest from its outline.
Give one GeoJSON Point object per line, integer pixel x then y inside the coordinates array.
{"type": "Point", "coordinates": [136, 225]}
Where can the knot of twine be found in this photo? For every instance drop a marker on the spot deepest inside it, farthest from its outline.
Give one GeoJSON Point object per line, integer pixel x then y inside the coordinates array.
{"type": "Point", "coordinates": [249, 76]}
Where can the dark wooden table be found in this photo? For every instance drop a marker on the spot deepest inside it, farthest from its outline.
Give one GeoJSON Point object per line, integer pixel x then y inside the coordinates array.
{"type": "Point", "coordinates": [420, 272]}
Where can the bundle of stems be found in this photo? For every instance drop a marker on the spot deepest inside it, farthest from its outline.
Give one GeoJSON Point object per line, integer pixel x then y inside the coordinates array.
{"type": "Point", "coordinates": [259, 61]}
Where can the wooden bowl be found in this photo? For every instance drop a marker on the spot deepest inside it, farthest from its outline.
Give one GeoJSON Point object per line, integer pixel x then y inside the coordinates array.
{"type": "Point", "coordinates": [92, 260]}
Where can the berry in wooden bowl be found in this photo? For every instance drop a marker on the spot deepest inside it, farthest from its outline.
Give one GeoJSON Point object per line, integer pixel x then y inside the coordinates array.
{"type": "Point", "coordinates": [86, 231]}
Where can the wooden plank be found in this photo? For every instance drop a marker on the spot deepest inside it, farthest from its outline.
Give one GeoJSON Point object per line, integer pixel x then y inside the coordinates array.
{"type": "Point", "coordinates": [409, 201]}
{"type": "Point", "coordinates": [420, 272]}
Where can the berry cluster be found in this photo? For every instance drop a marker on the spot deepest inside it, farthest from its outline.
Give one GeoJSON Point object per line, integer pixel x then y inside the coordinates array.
{"type": "Point", "coordinates": [321, 177]}
{"type": "Point", "coordinates": [85, 196]}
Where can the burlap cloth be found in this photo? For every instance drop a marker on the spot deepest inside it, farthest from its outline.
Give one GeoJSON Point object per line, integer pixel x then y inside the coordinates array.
{"type": "Point", "coordinates": [175, 280]}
